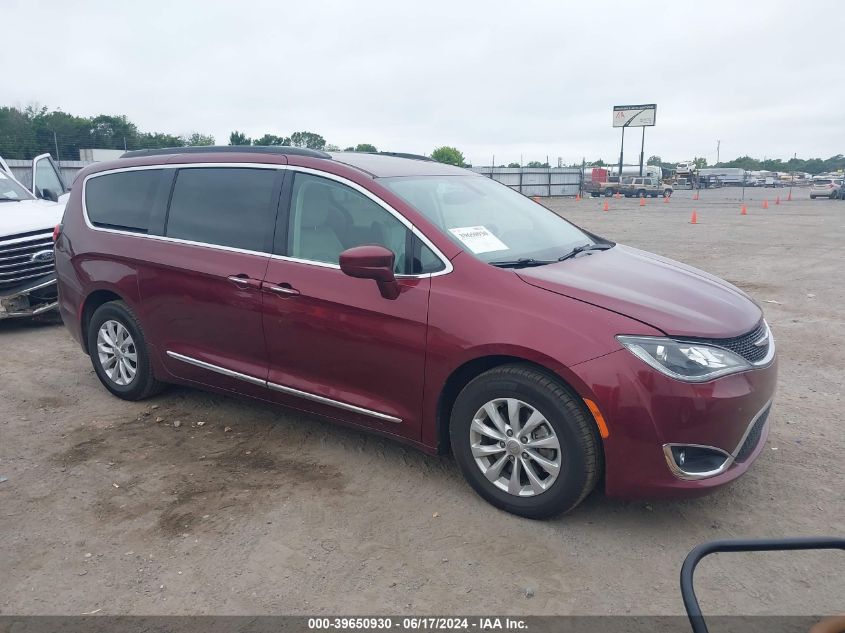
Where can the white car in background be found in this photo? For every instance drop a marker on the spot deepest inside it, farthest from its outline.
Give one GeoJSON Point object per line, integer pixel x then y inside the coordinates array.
{"type": "Point", "coordinates": [825, 188]}
{"type": "Point", "coordinates": [28, 215]}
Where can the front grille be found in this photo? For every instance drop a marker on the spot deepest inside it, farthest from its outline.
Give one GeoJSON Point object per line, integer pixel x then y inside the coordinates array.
{"type": "Point", "coordinates": [744, 344]}
{"type": "Point", "coordinates": [17, 266]}
{"type": "Point", "coordinates": [753, 438]}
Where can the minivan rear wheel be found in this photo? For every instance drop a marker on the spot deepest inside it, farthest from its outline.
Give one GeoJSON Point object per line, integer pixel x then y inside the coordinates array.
{"type": "Point", "coordinates": [119, 352]}
{"type": "Point", "coordinates": [524, 442]}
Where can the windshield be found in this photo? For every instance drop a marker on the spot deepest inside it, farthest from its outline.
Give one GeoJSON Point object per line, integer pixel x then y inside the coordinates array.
{"type": "Point", "coordinates": [488, 219]}
{"type": "Point", "coordinates": [11, 190]}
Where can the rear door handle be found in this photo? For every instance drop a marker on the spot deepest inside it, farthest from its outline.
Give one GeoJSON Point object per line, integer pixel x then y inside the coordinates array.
{"type": "Point", "coordinates": [244, 281]}
{"type": "Point", "coordinates": [281, 289]}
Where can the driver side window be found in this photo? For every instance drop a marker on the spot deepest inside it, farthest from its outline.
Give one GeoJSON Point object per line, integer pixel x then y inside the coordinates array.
{"type": "Point", "coordinates": [327, 217]}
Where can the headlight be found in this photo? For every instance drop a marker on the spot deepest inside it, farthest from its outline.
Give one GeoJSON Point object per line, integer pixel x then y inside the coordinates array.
{"type": "Point", "coordinates": [684, 360]}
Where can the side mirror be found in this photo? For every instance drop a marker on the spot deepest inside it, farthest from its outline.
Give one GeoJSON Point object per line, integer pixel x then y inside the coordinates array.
{"type": "Point", "coordinates": [372, 262]}
{"type": "Point", "coordinates": [49, 194]}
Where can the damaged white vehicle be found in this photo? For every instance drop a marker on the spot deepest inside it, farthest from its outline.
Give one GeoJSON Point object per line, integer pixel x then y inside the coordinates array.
{"type": "Point", "coordinates": [28, 217]}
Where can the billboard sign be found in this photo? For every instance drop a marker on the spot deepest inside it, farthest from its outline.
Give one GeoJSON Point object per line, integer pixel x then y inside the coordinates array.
{"type": "Point", "coordinates": [634, 115]}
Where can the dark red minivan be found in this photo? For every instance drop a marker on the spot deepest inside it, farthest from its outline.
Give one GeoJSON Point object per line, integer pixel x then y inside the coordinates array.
{"type": "Point", "coordinates": [423, 302]}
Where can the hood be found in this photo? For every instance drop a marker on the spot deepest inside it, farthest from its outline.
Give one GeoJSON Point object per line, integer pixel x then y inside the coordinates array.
{"type": "Point", "coordinates": [675, 298]}
{"type": "Point", "coordinates": [29, 215]}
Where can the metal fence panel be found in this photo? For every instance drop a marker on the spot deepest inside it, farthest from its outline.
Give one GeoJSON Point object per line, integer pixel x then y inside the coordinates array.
{"type": "Point", "coordinates": [22, 169]}
{"type": "Point", "coordinates": [536, 181]}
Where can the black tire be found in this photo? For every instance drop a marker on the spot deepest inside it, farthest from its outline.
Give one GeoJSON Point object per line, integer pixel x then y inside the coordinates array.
{"type": "Point", "coordinates": [608, 192]}
{"type": "Point", "coordinates": [641, 193]}
{"type": "Point", "coordinates": [581, 457]}
{"type": "Point", "coordinates": [812, 197]}
{"type": "Point", "coordinates": [667, 193]}
{"type": "Point", "coordinates": [143, 384]}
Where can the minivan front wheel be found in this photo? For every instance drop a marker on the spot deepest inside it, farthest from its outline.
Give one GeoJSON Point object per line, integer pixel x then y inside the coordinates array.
{"type": "Point", "coordinates": [119, 353]}
{"type": "Point", "coordinates": [524, 442]}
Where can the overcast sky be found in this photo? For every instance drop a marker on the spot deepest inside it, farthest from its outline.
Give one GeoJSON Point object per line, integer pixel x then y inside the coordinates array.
{"type": "Point", "coordinates": [513, 79]}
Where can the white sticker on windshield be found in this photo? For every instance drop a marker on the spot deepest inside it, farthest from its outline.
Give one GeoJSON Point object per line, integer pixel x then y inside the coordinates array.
{"type": "Point", "coordinates": [478, 239]}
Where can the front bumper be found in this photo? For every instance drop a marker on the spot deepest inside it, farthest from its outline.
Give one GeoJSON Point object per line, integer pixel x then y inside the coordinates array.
{"type": "Point", "coordinates": [648, 414]}
{"type": "Point", "coordinates": [30, 300]}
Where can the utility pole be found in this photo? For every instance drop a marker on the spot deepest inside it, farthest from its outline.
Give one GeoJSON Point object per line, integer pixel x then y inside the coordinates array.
{"type": "Point", "coordinates": [718, 145]}
{"type": "Point", "coordinates": [642, 150]}
{"type": "Point", "coordinates": [56, 143]}
{"type": "Point", "coordinates": [621, 153]}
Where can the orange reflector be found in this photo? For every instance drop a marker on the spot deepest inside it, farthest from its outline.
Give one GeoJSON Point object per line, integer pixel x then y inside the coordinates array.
{"type": "Point", "coordinates": [599, 418]}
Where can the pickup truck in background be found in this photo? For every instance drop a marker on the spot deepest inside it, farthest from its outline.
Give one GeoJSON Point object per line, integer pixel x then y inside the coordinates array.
{"type": "Point", "coordinates": [602, 184]}
{"type": "Point", "coordinates": [644, 187]}
{"type": "Point", "coordinates": [28, 215]}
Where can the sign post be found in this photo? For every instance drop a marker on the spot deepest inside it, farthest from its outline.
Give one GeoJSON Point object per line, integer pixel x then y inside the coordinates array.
{"type": "Point", "coordinates": [633, 116]}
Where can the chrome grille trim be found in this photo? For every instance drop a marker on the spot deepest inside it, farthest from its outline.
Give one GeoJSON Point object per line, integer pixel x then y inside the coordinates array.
{"type": "Point", "coordinates": [16, 251]}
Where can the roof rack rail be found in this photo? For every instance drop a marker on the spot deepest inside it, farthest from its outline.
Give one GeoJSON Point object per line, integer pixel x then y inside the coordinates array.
{"type": "Point", "coordinates": [228, 149]}
{"type": "Point", "coordinates": [405, 155]}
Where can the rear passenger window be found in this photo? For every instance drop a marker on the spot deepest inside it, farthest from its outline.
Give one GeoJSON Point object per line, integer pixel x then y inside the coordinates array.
{"type": "Point", "coordinates": [225, 206]}
{"type": "Point", "coordinates": [122, 200]}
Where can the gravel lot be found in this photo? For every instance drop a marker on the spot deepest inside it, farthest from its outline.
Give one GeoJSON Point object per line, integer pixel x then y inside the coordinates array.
{"type": "Point", "coordinates": [107, 508]}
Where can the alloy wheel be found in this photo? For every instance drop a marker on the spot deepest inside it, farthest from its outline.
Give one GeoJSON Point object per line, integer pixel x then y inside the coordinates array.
{"type": "Point", "coordinates": [117, 353]}
{"type": "Point", "coordinates": [515, 447]}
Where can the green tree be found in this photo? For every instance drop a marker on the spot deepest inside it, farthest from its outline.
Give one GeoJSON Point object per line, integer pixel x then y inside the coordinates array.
{"type": "Point", "coordinates": [196, 139]}
{"type": "Point", "coordinates": [537, 163]}
{"type": "Point", "coordinates": [654, 160]}
{"type": "Point", "coordinates": [17, 136]}
{"type": "Point", "coordinates": [307, 139]}
{"type": "Point", "coordinates": [332, 148]}
{"type": "Point", "coordinates": [159, 139]}
{"type": "Point", "coordinates": [365, 147]}
{"type": "Point", "coordinates": [514, 165]}
{"type": "Point", "coordinates": [112, 132]}
{"type": "Point", "coordinates": [448, 155]}
{"type": "Point", "coordinates": [272, 139]}
{"type": "Point", "coordinates": [597, 163]}
{"type": "Point", "coordinates": [349, 149]}
{"type": "Point", "coordinates": [700, 163]}
{"type": "Point", "coordinates": [239, 138]}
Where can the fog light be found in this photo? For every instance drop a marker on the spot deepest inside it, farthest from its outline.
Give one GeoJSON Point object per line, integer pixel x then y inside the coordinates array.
{"type": "Point", "coordinates": [688, 461]}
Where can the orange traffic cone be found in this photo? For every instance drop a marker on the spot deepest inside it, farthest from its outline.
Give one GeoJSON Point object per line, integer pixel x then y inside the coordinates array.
{"type": "Point", "coordinates": [777, 200]}
{"type": "Point", "coordinates": [577, 197]}
{"type": "Point", "coordinates": [744, 210]}
{"type": "Point", "coordinates": [694, 218]}
{"type": "Point", "coordinates": [665, 199]}
{"type": "Point", "coordinates": [789, 197]}
{"type": "Point", "coordinates": [695, 196]}
{"type": "Point", "coordinates": [765, 204]}
{"type": "Point", "coordinates": [606, 206]}
{"type": "Point", "coordinates": [617, 195]}
{"type": "Point", "coordinates": [535, 198]}
{"type": "Point", "coordinates": [642, 201]}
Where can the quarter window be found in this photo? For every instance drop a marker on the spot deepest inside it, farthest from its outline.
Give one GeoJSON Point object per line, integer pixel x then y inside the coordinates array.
{"type": "Point", "coordinates": [122, 200]}
{"type": "Point", "coordinates": [328, 217]}
{"type": "Point", "coordinates": [223, 206]}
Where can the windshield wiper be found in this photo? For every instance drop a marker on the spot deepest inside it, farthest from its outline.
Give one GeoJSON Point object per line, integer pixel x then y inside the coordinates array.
{"type": "Point", "coordinates": [523, 262]}
{"type": "Point", "coordinates": [600, 246]}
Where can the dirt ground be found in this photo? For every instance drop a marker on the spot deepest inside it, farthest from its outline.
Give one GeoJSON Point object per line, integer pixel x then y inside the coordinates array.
{"type": "Point", "coordinates": [107, 509]}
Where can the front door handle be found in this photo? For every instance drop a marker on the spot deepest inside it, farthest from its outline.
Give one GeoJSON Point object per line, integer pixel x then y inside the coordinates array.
{"type": "Point", "coordinates": [281, 289]}
{"type": "Point", "coordinates": [244, 281]}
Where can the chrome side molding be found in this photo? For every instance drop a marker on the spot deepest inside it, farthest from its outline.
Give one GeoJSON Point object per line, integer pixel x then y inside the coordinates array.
{"type": "Point", "coordinates": [283, 389]}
